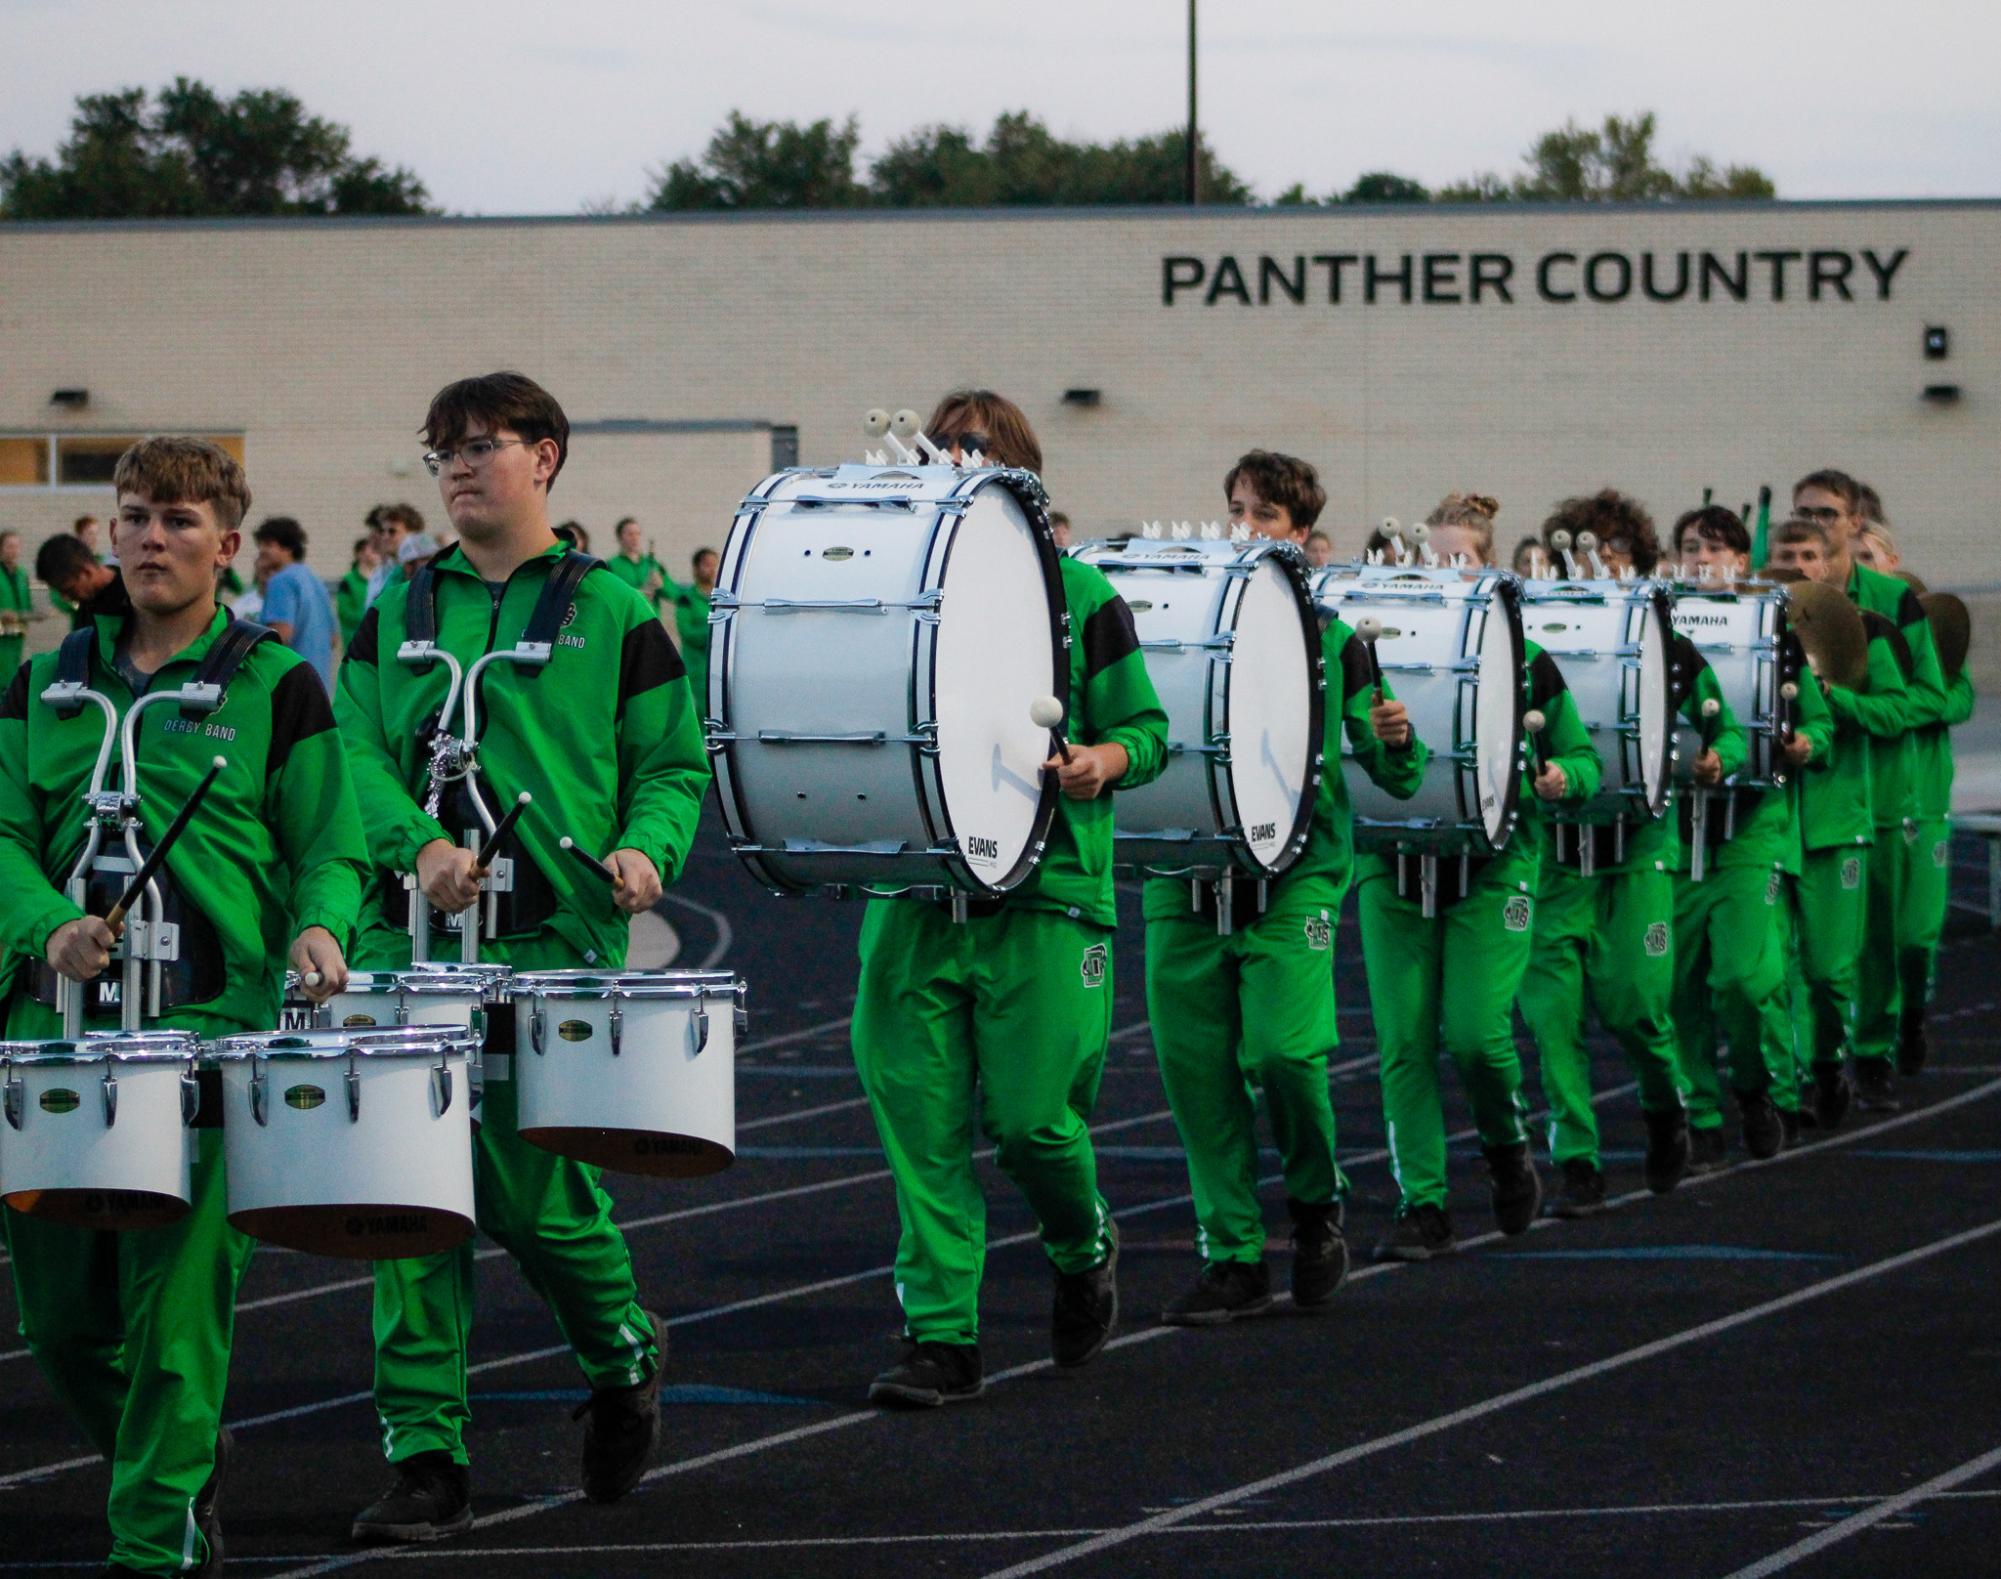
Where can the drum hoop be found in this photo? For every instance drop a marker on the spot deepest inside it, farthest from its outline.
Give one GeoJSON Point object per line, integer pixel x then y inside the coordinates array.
{"type": "Point", "coordinates": [100, 1055]}
{"type": "Point", "coordinates": [1653, 597]}
{"type": "Point", "coordinates": [393, 1041]}
{"type": "Point", "coordinates": [721, 747]}
{"type": "Point", "coordinates": [1505, 590]}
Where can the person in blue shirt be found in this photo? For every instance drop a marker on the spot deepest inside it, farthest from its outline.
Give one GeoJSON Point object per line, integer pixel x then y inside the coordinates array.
{"type": "Point", "coordinates": [296, 604]}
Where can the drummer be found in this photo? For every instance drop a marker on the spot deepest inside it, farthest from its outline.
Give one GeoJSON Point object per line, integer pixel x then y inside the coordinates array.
{"type": "Point", "coordinates": [608, 746]}
{"type": "Point", "coordinates": [1452, 977]}
{"type": "Point", "coordinates": [1254, 1010]}
{"type": "Point", "coordinates": [1016, 998]}
{"type": "Point", "coordinates": [1604, 938]}
{"type": "Point", "coordinates": [1733, 930]}
{"type": "Point", "coordinates": [133, 1329]}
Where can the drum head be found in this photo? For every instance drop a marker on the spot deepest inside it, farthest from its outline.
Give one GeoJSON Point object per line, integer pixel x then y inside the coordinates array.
{"type": "Point", "coordinates": [1497, 715]}
{"type": "Point", "coordinates": [356, 1231]}
{"type": "Point", "coordinates": [1656, 707]}
{"type": "Point", "coordinates": [116, 1210]}
{"type": "Point", "coordinates": [994, 656]}
{"type": "Point", "coordinates": [1273, 721]}
{"type": "Point", "coordinates": [651, 1152]}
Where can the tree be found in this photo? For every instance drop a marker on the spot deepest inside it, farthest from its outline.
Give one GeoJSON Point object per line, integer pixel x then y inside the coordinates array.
{"type": "Point", "coordinates": [192, 154]}
{"type": "Point", "coordinates": [766, 164]}
{"type": "Point", "coordinates": [1023, 162]}
{"type": "Point", "coordinates": [1613, 164]}
{"type": "Point", "coordinates": [1383, 186]}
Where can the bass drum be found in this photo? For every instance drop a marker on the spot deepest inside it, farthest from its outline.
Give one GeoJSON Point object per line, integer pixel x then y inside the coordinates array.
{"type": "Point", "coordinates": [1451, 652]}
{"type": "Point", "coordinates": [1232, 646]}
{"type": "Point", "coordinates": [1611, 640]}
{"type": "Point", "coordinates": [1744, 636]}
{"type": "Point", "coordinates": [879, 635]}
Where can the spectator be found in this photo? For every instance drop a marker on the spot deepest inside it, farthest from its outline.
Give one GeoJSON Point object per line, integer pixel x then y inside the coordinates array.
{"type": "Point", "coordinates": [351, 600]}
{"type": "Point", "coordinates": [392, 523]}
{"type": "Point", "coordinates": [71, 572]}
{"type": "Point", "coordinates": [296, 604]}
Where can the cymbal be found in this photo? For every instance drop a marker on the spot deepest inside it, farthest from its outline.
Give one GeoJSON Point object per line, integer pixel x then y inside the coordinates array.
{"type": "Point", "coordinates": [1911, 579]}
{"type": "Point", "coordinates": [1830, 629]}
{"type": "Point", "coordinates": [1952, 630]}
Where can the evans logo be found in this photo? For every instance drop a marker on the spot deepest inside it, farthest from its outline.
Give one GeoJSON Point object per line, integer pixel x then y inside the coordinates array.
{"type": "Point", "coordinates": [1263, 832]}
{"type": "Point", "coordinates": [979, 849]}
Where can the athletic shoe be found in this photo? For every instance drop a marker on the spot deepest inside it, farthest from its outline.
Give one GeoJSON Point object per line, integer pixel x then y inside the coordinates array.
{"type": "Point", "coordinates": [1224, 1291]}
{"type": "Point", "coordinates": [1514, 1186]}
{"type": "Point", "coordinates": [930, 1374]}
{"type": "Point", "coordinates": [208, 1504]}
{"type": "Point", "coordinates": [1667, 1148]}
{"type": "Point", "coordinates": [621, 1429]}
{"type": "Point", "coordinates": [1319, 1253]}
{"type": "Point", "coordinates": [1085, 1310]}
{"type": "Point", "coordinates": [1832, 1093]}
{"type": "Point", "coordinates": [1583, 1192]}
{"type": "Point", "coordinates": [1875, 1092]}
{"type": "Point", "coordinates": [432, 1498]}
{"type": "Point", "coordinates": [1417, 1233]}
{"type": "Point", "coordinates": [1707, 1150]}
{"type": "Point", "coordinates": [1763, 1132]}
{"type": "Point", "coordinates": [1912, 1048]}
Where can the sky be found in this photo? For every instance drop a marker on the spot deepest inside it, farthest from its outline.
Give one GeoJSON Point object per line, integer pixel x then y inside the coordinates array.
{"type": "Point", "coordinates": [524, 107]}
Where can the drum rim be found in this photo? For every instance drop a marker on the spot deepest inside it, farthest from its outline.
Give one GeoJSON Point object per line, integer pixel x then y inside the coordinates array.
{"type": "Point", "coordinates": [632, 984]}
{"type": "Point", "coordinates": [102, 1055]}
{"type": "Point", "coordinates": [391, 1041]}
{"type": "Point", "coordinates": [1292, 565]}
{"type": "Point", "coordinates": [1659, 603]}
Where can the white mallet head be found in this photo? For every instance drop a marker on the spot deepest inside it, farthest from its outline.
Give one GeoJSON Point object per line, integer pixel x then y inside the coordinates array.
{"type": "Point", "coordinates": [1586, 541]}
{"type": "Point", "coordinates": [1421, 533]}
{"type": "Point", "coordinates": [875, 422]}
{"type": "Point", "coordinates": [312, 978]}
{"type": "Point", "coordinates": [1559, 540]}
{"type": "Point", "coordinates": [1369, 628]}
{"type": "Point", "coordinates": [1789, 691]}
{"type": "Point", "coordinates": [1533, 720]}
{"type": "Point", "coordinates": [1711, 707]}
{"type": "Point", "coordinates": [566, 843]}
{"type": "Point", "coordinates": [1045, 712]}
{"type": "Point", "coordinates": [904, 424]}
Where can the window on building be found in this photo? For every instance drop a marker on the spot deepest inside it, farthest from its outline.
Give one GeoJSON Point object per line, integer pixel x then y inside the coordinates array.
{"type": "Point", "coordinates": [78, 460]}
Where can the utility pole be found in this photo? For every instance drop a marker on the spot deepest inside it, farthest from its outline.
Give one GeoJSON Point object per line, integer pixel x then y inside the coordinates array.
{"type": "Point", "coordinates": [1194, 173]}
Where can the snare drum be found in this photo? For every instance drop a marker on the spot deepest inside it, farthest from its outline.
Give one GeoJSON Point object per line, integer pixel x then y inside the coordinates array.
{"type": "Point", "coordinates": [96, 1132]}
{"type": "Point", "coordinates": [878, 637]}
{"type": "Point", "coordinates": [1451, 652]}
{"type": "Point", "coordinates": [1743, 634]}
{"type": "Point", "coordinates": [1232, 645]}
{"type": "Point", "coordinates": [352, 1143]}
{"type": "Point", "coordinates": [1611, 640]}
{"type": "Point", "coordinates": [632, 1071]}
{"type": "Point", "coordinates": [437, 992]}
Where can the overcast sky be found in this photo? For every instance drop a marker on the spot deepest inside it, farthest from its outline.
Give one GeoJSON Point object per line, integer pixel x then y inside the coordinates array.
{"type": "Point", "coordinates": [512, 107]}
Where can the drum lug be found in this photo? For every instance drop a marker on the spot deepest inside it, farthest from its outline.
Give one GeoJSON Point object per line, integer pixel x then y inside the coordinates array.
{"type": "Point", "coordinates": [13, 1099]}
{"type": "Point", "coordinates": [617, 1028]}
{"type": "Point", "coordinates": [190, 1098]}
{"type": "Point", "coordinates": [698, 1027]}
{"type": "Point", "coordinates": [353, 1092]}
{"type": "Point", "coordinates": [441, 1088]}
{"type": "Point", "coordinates": [110, 1099]}
{"type": "Point", "coordinates": [259, 1085]}
{"type": "Point", "coordinates": [536, 1024]}
{"type": "Point", "coordinates": [741, 992]}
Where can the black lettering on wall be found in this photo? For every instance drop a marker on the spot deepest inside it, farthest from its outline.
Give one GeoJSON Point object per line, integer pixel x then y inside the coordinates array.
{"type": "Point", "coordinates": [1543, 287]}
{"type": "Point", "coordinates": [1778, 261]}
{"type": "Point", "coordinates": [1229, 281]}
{"type": "Point", "coordinates": [1441, 277]}
{"type": "Point", "coordinates": [1884, 269]}
{"type": "Point", "coordinates": [1832, 270]}
{"type": "Point", "coordinates": [1738, 284]}
{"type": "Point", "coordinates": [1652, 286]}
{"type": "Point", "coordinates": [1493, 270]}
{"type": "Point", "coordinates": [1179, 274]}
{"type": "Point", "coordinates": [1335, 262]}
{"type": "Point", "coordinates": [1293, 284]}
{"type": "Point", "coordinates": [1374, 275]}
{"type": "Point", "coordinates": [1620, 274]}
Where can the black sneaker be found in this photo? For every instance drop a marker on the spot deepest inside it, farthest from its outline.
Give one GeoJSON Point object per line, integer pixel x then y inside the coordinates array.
{"type": "Point", "coordinates": [432, 1498]}
{"type": "Point", "coordinates": [1832, 1094]}
{"type": "Point", "coordinates": [1667, 1148]}
{"type": "Point", "coordinates": [930, 1374]}
{"type": "Point", "coordinates": [1875, 1092]}
{"type": "Point", "coordinates": [1912, 1047]}
{"type": "Point", "coordinates": [208, 1504]}
{"type": "Point", "coordinates": [1583, 1192]}
{"type": "Point", "coordinates": [1789, 1124]}
{"type": "Point", "coordinates": [1085, 1310]}
{"type": "Point", "coordinates": [1707, 1150]}
{"type": "Point", "coordinates": [1514, 1185]}
{"type": "Point", "coordinates": [1763, 1133]}
{"type": "Point", "coordinates": [1417, 1233]}
{"type": "Point", "coordinates": [621, 1429]}
{"type": "Point", "coordinates": [1222, 1291]}
{"type": "Point", "coordinates": [1319, 1252]}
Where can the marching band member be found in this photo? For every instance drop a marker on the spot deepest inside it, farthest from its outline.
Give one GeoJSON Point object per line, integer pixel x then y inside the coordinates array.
{"type": "Point", "coordinates": [1452, 978]}
{"type": "Point", "coordinates": [1016, 999]}
{"type": "Point", "coordinates": [1254, 1010]}
{"type": "Point", "coordinates": [133, 1329]}
{"type": "Point", "coordinates": [1732, 930]}
{"type": "Point", "coordinates": [1895, 924]}
{"type": "Point", "coordinates": [635, 565]}
{"type": "Point", "coordinates": [1604, 939]}
{"type": "Point", "coordinates": [607, 744]}
{"type": "Point", "coordinates": [691, 622]}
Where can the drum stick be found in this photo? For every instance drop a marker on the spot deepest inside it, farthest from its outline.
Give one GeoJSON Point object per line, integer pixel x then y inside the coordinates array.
{"type": "Point", "coordinates": [1559, 543]}
{"type": "Point", "coordinates": [591, 863]}
{"type": "Point", "coordinates": [151, 864]}
{"type": "Point", "coordinates": [1587, 542]}
{"type": "Point", "coordinates": [1788, 694]}
{"type": "Point", "coordinates": [1393, 535]}
{"type": "Point", "coordinates": [1045, 712]}
{"type": "Point", "coordinates": [501, 830]}
{"type": "Point", "coordinates": [1420, 534]}
{"type": "Point", "coordinates": [1368, 630]}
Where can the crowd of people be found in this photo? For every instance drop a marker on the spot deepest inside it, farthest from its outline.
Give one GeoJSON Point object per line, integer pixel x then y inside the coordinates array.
{"type": "Point", "coordinates": [1805, 949]}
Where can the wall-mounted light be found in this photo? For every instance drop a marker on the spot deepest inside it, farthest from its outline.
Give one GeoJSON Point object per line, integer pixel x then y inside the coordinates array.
{"type": "Point", "coordinates": [1082, 397]}
{"type": "Point", "coordinates": [1943, 394]}
{"type": "Point", "coordinates": [1938, 343]}
{"type": "Point", "coordinates": [75, 399]}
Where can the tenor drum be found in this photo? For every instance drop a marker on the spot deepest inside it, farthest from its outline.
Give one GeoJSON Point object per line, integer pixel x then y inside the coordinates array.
{"type": "Point", "coordinates": [631, 1071]}
{"type": "Point", "coordinates": [879, 635]}
{"type": "Point", "coordinates": [437, 992]}
{"type": "Point", "coordinates": [1232, 645]}
{"type": "Point", "coordinates": [96, 1132]}
{"type": "Point", "coordinates": [352, 1143]}
{"type": "Point", "coordinates": [1744, 636]}
{"type": "Point", "coordinates": [1611, 640]}
{"type": "Point", "coordinates": [1451, 652]}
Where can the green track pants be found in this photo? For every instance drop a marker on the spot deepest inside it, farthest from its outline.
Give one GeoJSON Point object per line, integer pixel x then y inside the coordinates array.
{"type": "Point", "coordinates": [1450, 978]}
{"type": "Point", "coordinates": [1730, 969]}
{"type": "Point", "coordinates": [1831, 903]}
{"type": "Point", "coordinates": [1927, 895]}
{"type": "Point", "coordinates": [1232, 1017]}
{"type": "Point", "coordinates": [1878, 985]}
{"type": "Point", "coordinates": [553, 1217]}
{"type": "Point", "coordinates": [1001, 1019]}
{"type": "Point", "coordinates": [133, 1331]}
{"type": "Point", "coordinates": [1605, 943]}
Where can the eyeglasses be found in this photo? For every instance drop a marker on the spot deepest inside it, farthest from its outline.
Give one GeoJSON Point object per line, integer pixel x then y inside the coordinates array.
{"type": "Point", "coordinates": [965, 443]}
{"type": "Point", "coordinates": [1818, 512]}
{"type": "Point", "coordinates": [474, 452]}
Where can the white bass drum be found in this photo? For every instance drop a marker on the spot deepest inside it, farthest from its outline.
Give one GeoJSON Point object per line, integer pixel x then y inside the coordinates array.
{"type": "Point", "coordinates": [1745, 637]}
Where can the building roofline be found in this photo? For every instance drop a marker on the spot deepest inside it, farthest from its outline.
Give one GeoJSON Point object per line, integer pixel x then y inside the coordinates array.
{"type": "Point", "coordinates": [1128, 213]}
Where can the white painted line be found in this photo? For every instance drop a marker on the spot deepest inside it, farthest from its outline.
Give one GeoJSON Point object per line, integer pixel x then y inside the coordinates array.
{"type": "Point", "coordinates": [1499, 1402]}
{"type": "Point", "coordinates": [725, 936]}
{"type": "Point", "coordinates": [1855, 1524]}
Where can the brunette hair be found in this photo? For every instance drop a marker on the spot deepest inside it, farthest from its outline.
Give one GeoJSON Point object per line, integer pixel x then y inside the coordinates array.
{"type": "Point", "coordinates": [498, 400]}
{"type": "Point", "coordinates": [1609, 516]}
{"type": "Point", "coordinates": [1798, 529]}
{"type": "Point", "coordinates": [1839, 483]}
{"type": "Point", "coordinates": [185, 471]}
{"type": "Point", "coordinates": [1869, 505]}
{"type": "Point", "coordinates": [1474, 511]}
{"type": "Point", "coordinates": [406, 516]}
{"type": "Point", "coordinates": [1714, 524]}
{"type": "Point", "coordinates": [1010, 440]}
{"type": "Point", "coordinates": [1284, 480]}
{"type": "Point", "coordinates": [285, 532]}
